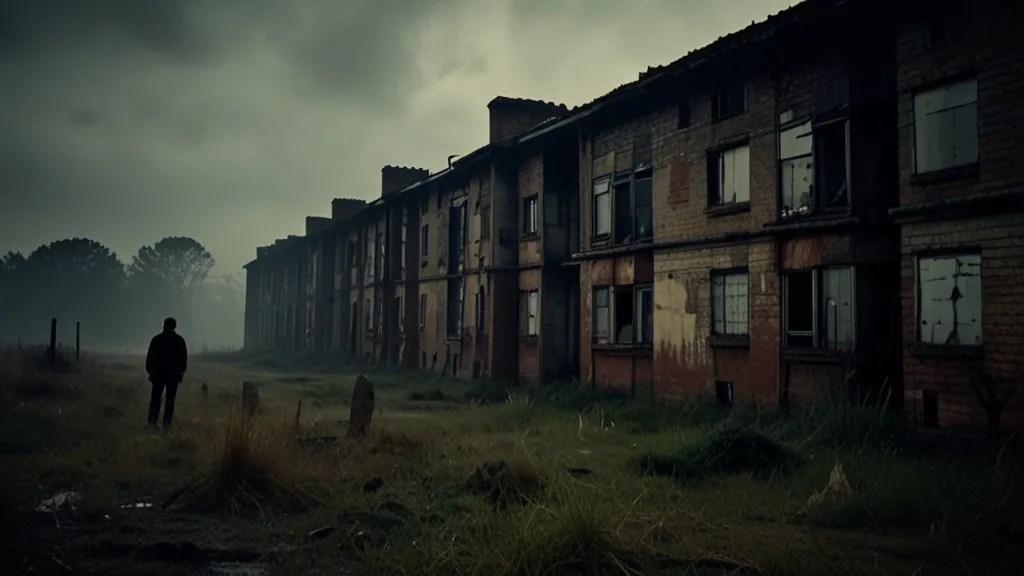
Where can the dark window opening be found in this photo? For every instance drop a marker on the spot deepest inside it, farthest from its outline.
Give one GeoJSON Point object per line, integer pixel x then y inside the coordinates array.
{"type": "Point", "coordinates": [800, 309]}
{"type": "Point", "coordinates": [642, 205]}
{"type": "Point", "coordinates": [530, 215]}
{"type": "Point", "coordinates": [481, 311]}
{"type": "Point", "coordinates": [930, 409]}
{"type": "Point", "coordinates": [423, 311]}
{"type": "Point", "coordinates": [401, 314]}
{"type": "Point", "coordinates": [424, 241]}
{"type": "Point", "coordinates": [723, 393]}
{"type": "Point", "coordinates": [819, 308]}
{"type": "Point", "coordinates": [684, 113]}
{"type": "Point", "coordinates": [623, 215]}
{"type": "Point", "coordinates": [623, 311]}
{"type": "Point", "coordinates": [730, 101]}
{"type": "Point", "coordinates": [830, 141]}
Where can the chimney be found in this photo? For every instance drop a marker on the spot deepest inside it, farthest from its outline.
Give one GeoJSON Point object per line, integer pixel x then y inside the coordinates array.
{"type": "Point", "coordinates": [511, 117]}
{"type": "Point", "coordinates": [344, 208]}
{"type": "Point", "coordinates": [316, 224]}
{"type": "Point", "coordinates": [394, 178]}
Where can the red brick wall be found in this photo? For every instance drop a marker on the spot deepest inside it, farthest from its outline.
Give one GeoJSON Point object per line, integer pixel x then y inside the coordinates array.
{"type": "Point", "coordinates": [991, 48]}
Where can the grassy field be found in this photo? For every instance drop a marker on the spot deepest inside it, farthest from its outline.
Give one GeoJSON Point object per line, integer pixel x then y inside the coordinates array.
{"type": "Point", "coordinates": [470, 479]}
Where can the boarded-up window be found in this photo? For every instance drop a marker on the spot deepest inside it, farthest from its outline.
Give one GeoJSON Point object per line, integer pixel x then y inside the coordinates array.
{"type": "Point", "coordinates": [949, 299]}
{"type": "Point", "coordinates": [729, 303]}
{"type": "Point", "coordinates": [837, 288]}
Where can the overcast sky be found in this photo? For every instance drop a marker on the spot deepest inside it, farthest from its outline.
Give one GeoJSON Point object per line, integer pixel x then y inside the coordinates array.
{"type": "Point", "coordinates": [231, 120]}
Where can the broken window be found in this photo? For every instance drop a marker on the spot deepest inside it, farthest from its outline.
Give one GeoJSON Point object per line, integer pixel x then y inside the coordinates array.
{"type": "Point", "coordinates": [481, 311]}
{"type": "Point", "coordinates": [423, 311]}
{"type": "Point", "coordinates": [602, 315]}
{"type": "Point", "coordinates": [530, 215]}
{"type": "Point", "coordinates": [797, 168]}
{"type": "Point", "coordinates": [622, 311]}
{"type": "Point", "coordinates": [529, 312]}
{"type": "Point", "coordinates": [813, 167]}
{"type": "Point", "coordinates": [729, 303]}
{"type": "Point", "coordinates": [730, 101]}
{"type": "Point", "coordinates": [424, 242]}
{"type": "Point", "coordinates": [946, 127]}
{"type": "Point", "coordinates": [642, 209]}
{"type": "Point", "coordinates": [819, 308]}
{"type": "Point", "coordinates": [949, 299]}
{"type": "Point", "coordinates": [729, 176]}
{"type": "Point", "coordinates": [602, 211]}
{"type": "Point", "coordinates": [645, 315]}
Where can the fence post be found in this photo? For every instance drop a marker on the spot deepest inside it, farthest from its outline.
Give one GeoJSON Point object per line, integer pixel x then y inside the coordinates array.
{"type": "Point", "coordinates": [78, 339]}
{"type": "Point", "coordinates": [52, 351]}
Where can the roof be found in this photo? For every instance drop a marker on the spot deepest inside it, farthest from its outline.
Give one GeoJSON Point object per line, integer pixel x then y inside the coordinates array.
{"type": "Point", "coordinates": [755, 33]}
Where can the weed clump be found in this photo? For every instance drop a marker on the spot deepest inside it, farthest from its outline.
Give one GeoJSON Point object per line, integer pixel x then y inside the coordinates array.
{"type": "Point", "coordinates": [729, 452]}
{"type": "Point", "coordinates": [250, 473]}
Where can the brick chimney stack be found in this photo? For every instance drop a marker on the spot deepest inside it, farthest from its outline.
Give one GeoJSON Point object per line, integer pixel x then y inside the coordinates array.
{"type": "Point", "coordinates": [511, 117]}
{"type": "Point", "coordinates": [394, 178]}
{"type": "Point", "coordinates": [342, 208]}
{"type": "Point", "coordinates": [316, 224]}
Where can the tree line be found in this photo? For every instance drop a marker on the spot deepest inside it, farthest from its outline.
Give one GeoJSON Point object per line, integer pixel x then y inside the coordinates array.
{"type": "Point", "coordinates": [118, 304]}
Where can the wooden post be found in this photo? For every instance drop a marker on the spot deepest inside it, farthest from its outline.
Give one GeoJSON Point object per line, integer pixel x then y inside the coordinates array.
{"type": "Point", "coordinates": [78, 340]}
{"type": "Point", "coordinates": [52, 350]}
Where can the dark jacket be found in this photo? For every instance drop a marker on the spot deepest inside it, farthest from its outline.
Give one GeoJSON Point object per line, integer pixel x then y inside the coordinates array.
{"type": "Point", "coordinates": [167, 357]}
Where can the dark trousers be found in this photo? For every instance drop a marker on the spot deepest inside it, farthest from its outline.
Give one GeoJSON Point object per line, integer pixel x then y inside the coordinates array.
{"type": "Point", "coordinates": [159, 385]}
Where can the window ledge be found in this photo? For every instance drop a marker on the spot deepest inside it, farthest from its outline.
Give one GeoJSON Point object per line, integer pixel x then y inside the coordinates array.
{"type": "Point", "coordinates": [623, 349]}
{"type": "Point", "coordinates": [527, 236]}
{"type": "Point", "coordinates": [727, 209]}
{"type": "Point", "coordinates": [729, 341]}
{"type": "Point", "coordinates": [954, 174]}
{"type": "Point", "coordinates": [815, 355]}
{"type": "Point", "coordinates": [529, 338]}
{"type": "Point", "coordinates": [924, 350]}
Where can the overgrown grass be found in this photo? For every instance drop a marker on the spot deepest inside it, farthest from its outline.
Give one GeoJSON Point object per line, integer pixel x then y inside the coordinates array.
{"type": "Point", "coordinates": [550, 481]}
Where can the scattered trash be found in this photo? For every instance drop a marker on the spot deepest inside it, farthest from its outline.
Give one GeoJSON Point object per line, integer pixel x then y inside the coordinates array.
{"type": "Point", "coordinates": [137, 505]}
{"type": "Point", "coordinates": [58, 502]}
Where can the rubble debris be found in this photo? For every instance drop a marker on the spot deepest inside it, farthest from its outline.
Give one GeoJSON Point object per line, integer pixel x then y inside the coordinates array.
{"type": "Point", "coordinates": [60, 501]}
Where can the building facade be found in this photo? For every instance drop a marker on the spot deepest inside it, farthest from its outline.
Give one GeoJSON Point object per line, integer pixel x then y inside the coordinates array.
{"type": "Point", "coordinates": [796, 209]}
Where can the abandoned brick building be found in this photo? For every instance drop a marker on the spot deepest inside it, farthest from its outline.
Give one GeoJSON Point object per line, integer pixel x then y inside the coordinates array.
{"type": "Point", "coordinates": [794, 209]}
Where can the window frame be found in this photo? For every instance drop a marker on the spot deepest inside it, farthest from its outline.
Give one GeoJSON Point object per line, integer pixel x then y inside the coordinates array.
{"type": "Point", "coordinates": [942, 255]}
{"type": "Point", "coordinates": [816, 126]}
{"type": "Point", "coordinates": [715, 169]}
{"type": "Point", "coordinates": [481, 311]}
{"type": "Point", "coordinates": [614, 181]}
{"type": "Point", "coordinates": [724, 274]}
{"type": "Point", "coordinates": [423, 312]}
{"type": "Point", "coordinates": [723, 92]}
{"type": "Point", "coordinates": [819, 333]}
{"type": "Point", "coordinates": [636, 308]}
{"type": "Point", "coordinates": [530, 224]}
{"type": "Point", "coordinates": [525, 297]}
{"type": "Point", "coordinates": [934, 87]}
{"type": "Point", "coordinates": [424, 243]}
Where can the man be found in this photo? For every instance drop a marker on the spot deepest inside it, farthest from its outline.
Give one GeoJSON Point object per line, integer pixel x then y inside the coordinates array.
{"type": "Point", "coordinates": [165, 362]}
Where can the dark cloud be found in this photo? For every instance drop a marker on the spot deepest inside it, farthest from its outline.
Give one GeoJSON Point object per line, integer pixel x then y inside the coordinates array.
{"type": "Point", "coordinates": [229, 120]}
